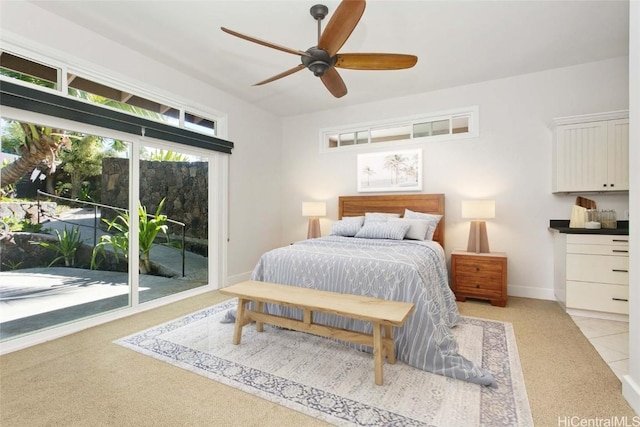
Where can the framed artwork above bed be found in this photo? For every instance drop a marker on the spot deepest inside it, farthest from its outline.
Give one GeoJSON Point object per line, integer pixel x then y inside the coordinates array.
{"type": "Point", "coordinates": [399, 170]}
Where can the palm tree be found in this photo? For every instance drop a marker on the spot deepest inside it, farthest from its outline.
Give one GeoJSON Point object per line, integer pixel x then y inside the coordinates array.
{"type": "Point", "coordinates": [395, 163]}
{"type": "Point", "coordinates": [41, 144]}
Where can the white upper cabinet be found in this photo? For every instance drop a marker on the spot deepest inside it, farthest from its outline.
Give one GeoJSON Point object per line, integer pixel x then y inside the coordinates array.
{"type": "Point", "coordinates": [590, 154]}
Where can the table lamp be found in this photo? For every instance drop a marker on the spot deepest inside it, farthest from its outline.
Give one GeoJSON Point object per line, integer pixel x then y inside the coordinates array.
{"type": "Point", "coordinates": [477, 210]}
{"type": "Point", "coordinates": [314, 210]}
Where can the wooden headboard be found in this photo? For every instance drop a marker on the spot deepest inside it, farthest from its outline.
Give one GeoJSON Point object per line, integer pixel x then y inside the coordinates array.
{"type": "Point", "coordinates": [395, 203]}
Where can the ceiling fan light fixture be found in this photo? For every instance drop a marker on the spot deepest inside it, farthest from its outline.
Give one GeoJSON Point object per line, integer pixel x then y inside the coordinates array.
{"type": "Point", "coordinates": [318, 68]}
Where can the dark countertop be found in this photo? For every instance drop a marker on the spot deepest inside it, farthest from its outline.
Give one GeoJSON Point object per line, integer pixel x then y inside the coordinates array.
{"type": "Point", "coordinates": [562, 226]}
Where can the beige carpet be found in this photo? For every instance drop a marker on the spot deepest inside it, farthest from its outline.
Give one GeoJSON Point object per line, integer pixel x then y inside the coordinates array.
{"type": "Point", "coordinates": [87, 380]}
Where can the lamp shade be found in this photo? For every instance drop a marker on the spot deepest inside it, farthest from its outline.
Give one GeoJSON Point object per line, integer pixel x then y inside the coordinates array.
{"type": "Point", "coordinates": [478, 209]}
{"type": "Point", "coordinates": [314, 209]}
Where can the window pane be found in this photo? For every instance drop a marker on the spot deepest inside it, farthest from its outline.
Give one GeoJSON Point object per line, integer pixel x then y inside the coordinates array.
{"type": "Point", "coordinates": [346, 139]}
{"type": "Point", "coordinates": [28, 71]}
{"type": "Point", "coordinates": [395, 133]}
{"type": "Point", "coordinates": [362, 137]}
{"type": "Point", "coordinates": [199, 124]}
{"type": "Point", "coordinates": [333, 141]}
{"type": "Point", "coordinates": [173, 193]}
{"type": "Point", "coordinates": [105, 95]}
{"type": "Point", "coordinates": [460, 124]}
{"type": "Point", "coordinates": [422, 129]}
{"type": "Point", "coordinates": [77, 268]}
{"type": "Point", "coordinates": [440, 127]}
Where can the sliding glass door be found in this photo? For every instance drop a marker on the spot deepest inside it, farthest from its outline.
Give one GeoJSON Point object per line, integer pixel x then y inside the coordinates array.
{"type": "Point", "coordinates": [109, 222]}
{"type": "Point", "coordinates": [173, 221]}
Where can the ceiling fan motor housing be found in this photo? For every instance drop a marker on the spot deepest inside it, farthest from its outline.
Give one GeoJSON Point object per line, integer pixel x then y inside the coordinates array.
{"type": "Point", "coordinates": [318, 62]}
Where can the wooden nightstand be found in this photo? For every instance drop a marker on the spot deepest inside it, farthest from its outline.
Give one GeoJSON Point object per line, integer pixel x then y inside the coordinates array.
{"type": "Point", "coordinates": [482, 276]}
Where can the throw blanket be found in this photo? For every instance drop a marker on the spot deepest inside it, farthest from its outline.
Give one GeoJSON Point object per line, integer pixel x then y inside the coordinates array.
{"type": "Point", "coordinates": [407, 270]}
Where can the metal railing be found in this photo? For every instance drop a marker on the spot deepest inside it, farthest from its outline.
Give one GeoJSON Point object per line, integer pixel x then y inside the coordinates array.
{"type": "Point", "coordinates": [97, 214]}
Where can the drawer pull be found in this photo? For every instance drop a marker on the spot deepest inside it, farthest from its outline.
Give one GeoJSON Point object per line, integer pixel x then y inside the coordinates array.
{"type": "Point", "coordinates": [620, 240]}
{"type": "Point", "coordinates": [620, 271]}
{"type": "Point", "coordinates": [620, 251]}
{"type": "Point", "coordinates": [620, 299]}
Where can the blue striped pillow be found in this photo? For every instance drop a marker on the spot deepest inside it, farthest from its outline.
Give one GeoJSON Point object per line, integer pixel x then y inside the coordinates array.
{"type": "Point", "coordinates": [347, 227]}
{"type": "Point", "coordinates": [383, 230]}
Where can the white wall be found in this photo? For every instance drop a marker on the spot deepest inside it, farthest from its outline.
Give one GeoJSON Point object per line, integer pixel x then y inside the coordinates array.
{"type": "Point", "coordinates": [631, 382]}
{"type": "Point", "coordinates": [510, 161]}
{"type": "Point", "coordinates": [255, 165]}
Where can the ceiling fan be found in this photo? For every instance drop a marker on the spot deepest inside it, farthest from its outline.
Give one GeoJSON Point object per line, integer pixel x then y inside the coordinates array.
{"type": "Point", "coordinates": [324, 58]}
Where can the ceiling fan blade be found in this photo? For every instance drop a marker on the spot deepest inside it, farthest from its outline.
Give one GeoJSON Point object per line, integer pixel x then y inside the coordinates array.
{"type": "Point", "coordinates": [265, 43]}
{"type": "Point", "coordinates": [334, 82]}
{"type": "Point", "coordinates": [375, 61]}
{"type": "Point", "coordinates": [281, 75]}
{"type": "Point", "coordinates": [340, 26]}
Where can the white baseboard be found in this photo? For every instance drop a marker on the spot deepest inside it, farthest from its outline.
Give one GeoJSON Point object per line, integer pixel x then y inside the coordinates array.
{"type": "Point", "coordinates": [598, 315]}
{"type": "Point", "coordinates": [631, 392]}
{"type": "Point", "coordinates": [531, 292]}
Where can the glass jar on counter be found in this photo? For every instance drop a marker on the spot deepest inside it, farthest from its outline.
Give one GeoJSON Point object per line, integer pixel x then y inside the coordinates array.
{"type": "Point", "coordinates": [608, 219]}
{"type": "Point", "coordinates": [592, 218]}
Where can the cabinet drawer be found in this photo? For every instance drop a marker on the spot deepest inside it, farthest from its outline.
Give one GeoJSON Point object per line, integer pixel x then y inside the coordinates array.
{"type": "Point", "coordinates": [598, 268]}
{"type": "Point", "coordinates": [599, 250]}
{"type": "Point", "coordinates": [598, 239]}
{"type": "Point", "coordinates": [597, 296]}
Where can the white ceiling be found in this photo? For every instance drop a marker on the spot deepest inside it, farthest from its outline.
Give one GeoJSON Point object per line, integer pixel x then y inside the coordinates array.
{"type": "Point", "coordinates": [457, 42]}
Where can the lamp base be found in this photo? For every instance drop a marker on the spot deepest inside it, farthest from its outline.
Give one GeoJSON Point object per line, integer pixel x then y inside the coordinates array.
{"type": "Point", "coordinates": [478, 240]}
{"type": "Point", "coordinates": [314, 228]}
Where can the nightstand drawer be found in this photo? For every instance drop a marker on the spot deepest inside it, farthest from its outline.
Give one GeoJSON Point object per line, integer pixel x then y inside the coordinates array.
{"type": "Point", "coordinates": [480, 289]}
{"type": "Point", "coordinates": [481, 269]}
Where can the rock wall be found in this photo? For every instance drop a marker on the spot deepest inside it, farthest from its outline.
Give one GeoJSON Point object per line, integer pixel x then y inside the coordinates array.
{"type": "Point", "coordinates": [27, 210]}
{"type": "Point", "coordinates": [183, 184]}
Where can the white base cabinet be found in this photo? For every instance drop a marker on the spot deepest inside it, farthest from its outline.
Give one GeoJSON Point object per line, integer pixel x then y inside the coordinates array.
{"type": "Point", "coordinates": [592, 273]}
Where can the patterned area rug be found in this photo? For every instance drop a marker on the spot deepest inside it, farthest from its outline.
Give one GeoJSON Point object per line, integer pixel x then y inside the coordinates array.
{"type": "Point", "coordinates": [335, 383]}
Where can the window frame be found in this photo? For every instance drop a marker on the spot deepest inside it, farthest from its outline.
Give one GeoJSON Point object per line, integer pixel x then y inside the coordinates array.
{"type": "Point", "coordinates": [369, 127]}
{"type": "Point", "coordinates": [66, 67]}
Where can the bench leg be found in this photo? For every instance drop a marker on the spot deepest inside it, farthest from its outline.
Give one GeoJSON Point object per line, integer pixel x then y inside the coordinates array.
{"type": "Point", "coordinates": [240, 322]}
{"type": "Point", "coordinates": [259, 309]}
{"type": "Point", "coordinates": [377, 352]}
{"type": "Point", "coordinates": [391, 348]}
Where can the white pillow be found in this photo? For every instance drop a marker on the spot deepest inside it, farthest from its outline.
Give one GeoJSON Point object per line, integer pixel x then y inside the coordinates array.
{"type": "Point", "coordinates": [433, 220]}
{"type": "Point", "coordinates": [383, 230]}
{"type": "Point", "coordinates": [347, 226]}
{"type": "Point", "coordinates": [378, 217]}
{"type": "Point", "coordinates": [418, 227]}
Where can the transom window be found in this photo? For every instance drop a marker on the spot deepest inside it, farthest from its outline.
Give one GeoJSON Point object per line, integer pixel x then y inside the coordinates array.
{"type": "Point", "coordinates": [27, 70]}
{"type": "Point", "coordinates": [455, 124]}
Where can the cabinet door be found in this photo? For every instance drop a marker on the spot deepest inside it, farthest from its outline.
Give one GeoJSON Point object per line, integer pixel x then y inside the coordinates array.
{"type": "Point", "coordinates": [581, 157]}
{"type": "Point", "coordinates": [618, 155]}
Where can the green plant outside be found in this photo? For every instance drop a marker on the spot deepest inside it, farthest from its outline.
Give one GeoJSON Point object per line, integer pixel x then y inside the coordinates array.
{"type": "Point", "coordinates": [68, 243]}
{"type": "Point", "coordinates": [24, 225]}
{"type": "Point", "coordinates": [150, 226]}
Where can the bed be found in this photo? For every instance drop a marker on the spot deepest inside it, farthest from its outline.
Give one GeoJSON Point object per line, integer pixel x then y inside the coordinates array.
{"type": "Point", "coordinates": [410, 270]}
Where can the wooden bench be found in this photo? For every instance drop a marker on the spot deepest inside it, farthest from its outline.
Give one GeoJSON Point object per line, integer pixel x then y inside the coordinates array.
{"type": "Point", "coordinates": [382, 314]}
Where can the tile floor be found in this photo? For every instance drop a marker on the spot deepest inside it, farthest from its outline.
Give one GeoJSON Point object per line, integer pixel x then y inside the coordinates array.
{"type": "Point", "coordinates": [610, 338]}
